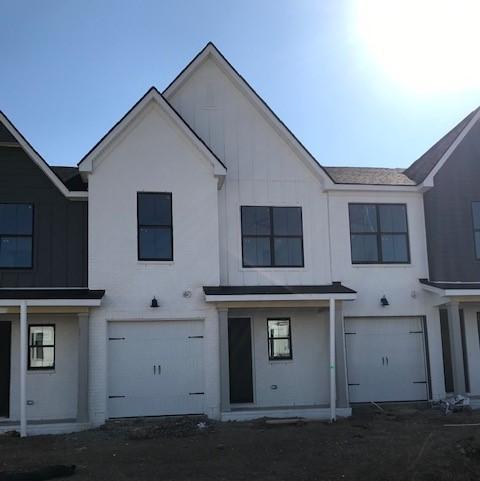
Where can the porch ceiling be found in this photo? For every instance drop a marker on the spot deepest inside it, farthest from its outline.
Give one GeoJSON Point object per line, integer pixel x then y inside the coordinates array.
{"type": "Point", "coordinates": [461, 291]}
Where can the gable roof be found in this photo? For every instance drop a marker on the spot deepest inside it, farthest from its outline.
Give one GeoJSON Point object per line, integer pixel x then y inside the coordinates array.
{"type": "Point", "coordinates": [71, 177]}
{"type": "Point", "coordinates": [210, 50]}
{"type": "Point", "coordinates": [440, 151]}
{"type": "Point", "coordinates": [10, 134]}
{"type": "Point", "coordinates": [152, 94]}
{"type": "Point", "coordinates": [369, 176]}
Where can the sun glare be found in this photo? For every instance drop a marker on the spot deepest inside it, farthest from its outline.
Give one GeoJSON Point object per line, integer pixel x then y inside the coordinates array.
{"type": "Point", "coordinates": [424, 45]}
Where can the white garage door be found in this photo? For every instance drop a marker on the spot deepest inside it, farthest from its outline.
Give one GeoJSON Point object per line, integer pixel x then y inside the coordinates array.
{"type": "Point", "coordinates": [155, 368]}
{"type": "Point", "coordinates": [386, 359]}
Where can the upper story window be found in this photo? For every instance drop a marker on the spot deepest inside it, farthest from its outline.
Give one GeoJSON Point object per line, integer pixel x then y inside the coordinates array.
{"type": "Point", "coordinates": [272, 236]}
{"type": "Point", "coordinates": [476, 227]}
{"type": "Point", "coordinates": [379, 234]}
{"type": "Point", "coordinates": [16, 236]}
{"type": "Point", "coordinates": [155, 233]}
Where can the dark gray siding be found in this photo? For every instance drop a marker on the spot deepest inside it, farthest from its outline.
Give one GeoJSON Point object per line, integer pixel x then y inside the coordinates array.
{"type": "Point", "coordinates": [60, 226]}
{"type": "Point", "coordinates": [448, 214]}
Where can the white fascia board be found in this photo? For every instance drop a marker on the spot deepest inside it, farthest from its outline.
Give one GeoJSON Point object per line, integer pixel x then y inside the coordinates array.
{"type": "Point", "coordinates": [279, 297]}
{"type": "Point", "coordinates": [39, 161]}
{"type": "Point", "coordinates": [52, 302]}
{"type": "Point", "coordinates": [429, 180]}
{"type": "Point", "coordinates": [373, 188]}
{"type": "Point", "coordinates": [452, 292]}
{"type": "Point", "coordinates": [257, 102]}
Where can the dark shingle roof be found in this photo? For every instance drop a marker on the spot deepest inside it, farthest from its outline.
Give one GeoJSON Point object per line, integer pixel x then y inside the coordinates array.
{"type": "Point", "coordinates": [70, 176]}
{"type": "Point", "coordinates": [420, 169]}
{"type": "Point", "coordinates": [368, 176]}
{"type": "Point", "coordinates": [334, 288]}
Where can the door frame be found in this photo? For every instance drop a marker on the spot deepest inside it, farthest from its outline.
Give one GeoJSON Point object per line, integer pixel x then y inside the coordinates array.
{"type": "Point", "coordinates": [426, 353]}
{"type": "Point", "coordinates": [252, 349]}
{"type": "Point", "coordinates": [8, 381]}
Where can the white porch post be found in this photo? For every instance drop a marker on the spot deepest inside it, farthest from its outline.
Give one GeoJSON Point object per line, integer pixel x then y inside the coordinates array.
{"type": "Point", "coordinates": [23, 368]}
{"type": "Point", "coordinates": [333, 387]}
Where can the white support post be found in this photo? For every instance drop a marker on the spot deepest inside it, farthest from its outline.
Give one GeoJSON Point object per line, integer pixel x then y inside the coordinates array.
{"type": "Point", "coordinates": [23, 368]}
{"type": "Point", "coordinates": [333, 387]}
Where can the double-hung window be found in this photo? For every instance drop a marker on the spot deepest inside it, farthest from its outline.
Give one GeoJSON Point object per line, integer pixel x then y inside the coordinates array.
{"type": "Point", "coordinates": [476, 227]}
{"type": "Point", "coordinates": [272, 236]}
{"type": "Point", "coordinates": [16, 236]}
{"type": "Point", "coordinates": [41, 347]}
{"type": "Point", "coordinates": [155, 231]}
{"type": "Point", "coordinates": [379, 234]}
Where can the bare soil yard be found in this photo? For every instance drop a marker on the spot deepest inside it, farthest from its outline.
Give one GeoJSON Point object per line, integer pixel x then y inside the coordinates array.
{"type": "Point", "coordinates": [395, 445]}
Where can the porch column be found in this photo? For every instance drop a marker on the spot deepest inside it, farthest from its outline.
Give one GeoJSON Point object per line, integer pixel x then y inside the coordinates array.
{"type": "Point", "coordinates": [456, 347]}
{"type": "Point", "coordinates": [23, 368]}
{"type": "Point", "coordinates": [83, 346]}
{"type": "Point", "coordinates": [224, 361]}
{"type": "Point", "coordinates": [333, 388]}
{"type": "Point", "coordinates": [341, 365]}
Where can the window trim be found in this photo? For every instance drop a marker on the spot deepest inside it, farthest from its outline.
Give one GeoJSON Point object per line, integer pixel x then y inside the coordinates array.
{"type": "Point", "coordinates": [475, 230]}
{"type": "Point", "coordinates": [379, 233]}
{"type": "Point", "coordinates": [289, 338]}
{"type": "Point", "coordinates": [32, 236]}
{"type": "Point", "coordinates": [139, 226]}
{"type": "Point", "coordinates": [29, 346]}
{"type": "Point", "coordinates": [271, 236]}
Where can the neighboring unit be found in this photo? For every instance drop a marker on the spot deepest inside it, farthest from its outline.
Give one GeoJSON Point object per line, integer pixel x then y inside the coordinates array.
{"type": "Point", "coordinates": [221, 270]}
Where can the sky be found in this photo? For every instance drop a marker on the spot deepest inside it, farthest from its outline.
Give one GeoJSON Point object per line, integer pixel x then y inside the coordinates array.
{"type": "Point", "coordinates": [359, 82]}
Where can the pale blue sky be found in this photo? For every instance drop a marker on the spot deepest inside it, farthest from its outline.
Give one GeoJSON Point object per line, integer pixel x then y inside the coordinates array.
{"type": "Point", "coordinates": [70, 69]}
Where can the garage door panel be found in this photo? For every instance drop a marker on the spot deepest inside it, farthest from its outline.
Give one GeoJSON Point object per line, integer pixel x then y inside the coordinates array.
{"type": "Point", "coordinates": [156, 368]}
{"type": "Point", "coordinates": [385, 359]}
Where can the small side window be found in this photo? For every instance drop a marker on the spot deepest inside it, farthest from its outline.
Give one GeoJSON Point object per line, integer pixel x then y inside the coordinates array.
{"type": "Point", "coordinates": [279, 339]}
{"type": "Point", "coordinates": [41, 347]}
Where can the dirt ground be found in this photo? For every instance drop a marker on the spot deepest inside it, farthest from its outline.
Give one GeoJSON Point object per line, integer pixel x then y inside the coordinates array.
{"type": "Point", "coordinates": [395, 445]}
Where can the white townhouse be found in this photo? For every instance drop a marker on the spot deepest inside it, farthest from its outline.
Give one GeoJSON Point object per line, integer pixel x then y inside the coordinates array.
{"type": "Point", "coordinates": [243, 279]}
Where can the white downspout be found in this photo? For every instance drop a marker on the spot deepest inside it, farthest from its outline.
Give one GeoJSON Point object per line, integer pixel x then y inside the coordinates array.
{"type": "Point", "coordinates": [23, 368]}
{"type": "Point", "coordinates": [333, 387]}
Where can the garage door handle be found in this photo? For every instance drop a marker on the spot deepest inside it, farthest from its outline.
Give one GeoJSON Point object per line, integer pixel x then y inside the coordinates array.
{"type": "Point", "coordinates": [383, 361]}
{"type": "Point", "coordinates": [154, 369]}
{"type": "Point", "coordinates": [386, 360]}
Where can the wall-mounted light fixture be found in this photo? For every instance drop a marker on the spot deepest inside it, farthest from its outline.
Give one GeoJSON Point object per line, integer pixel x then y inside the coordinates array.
{"type": "Point", "coordinates": [154, 302]}
{"type": "Point", "coordinates": [384, 301]}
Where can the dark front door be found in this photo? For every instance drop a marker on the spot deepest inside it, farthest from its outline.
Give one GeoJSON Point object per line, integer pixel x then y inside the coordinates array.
{"type": "Point", "coordinates": [240, 358]}
{"type": "Point", "coordinates": [5, 341]}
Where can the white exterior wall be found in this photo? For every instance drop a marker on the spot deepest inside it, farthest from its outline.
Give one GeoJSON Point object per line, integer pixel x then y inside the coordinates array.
{"type": "Point", "coordinates": [151, 155]}
{"type": "Point", "coordinates": [398, 282]}
{"type": "Point", "coordinates": [262, 169]}
{"type": "Point", "coordinates": [53, 392]}
{"type": "Point", "coordinates": [301, 381]}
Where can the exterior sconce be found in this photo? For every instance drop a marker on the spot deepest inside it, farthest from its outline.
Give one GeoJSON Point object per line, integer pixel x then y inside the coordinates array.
{"type": "Point", "coordinates": [154, 302]}
{"type": "Point", "coordinates": [384, 302]}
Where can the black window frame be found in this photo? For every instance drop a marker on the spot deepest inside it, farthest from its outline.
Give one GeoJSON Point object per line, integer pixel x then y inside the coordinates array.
{"type": "Point", "coordinates": [378, 234]}
{"type": "Point", "coordinates": [31, 236]}
{"type": "Point", "coordinates": [170, 226]}
{"type": "Point", "coordinates": [475, 230]}
{"type": "Point", "coordinates": [30, 346]}
{"type": "Point", "coordinates": [272, 237]}
{"type": "Point", "coordinates": [271, 357]}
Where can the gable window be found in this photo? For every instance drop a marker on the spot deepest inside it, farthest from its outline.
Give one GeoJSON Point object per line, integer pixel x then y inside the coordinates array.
{"type": "Point", "coordinates": [476, 227]}
{"type": "Point", "coordinates": [41, 347]}
{"type": "Point", "coordinates": [279, 339]}
{"type": "Point", "coordinates": [379, 234]}
{"type": "Point", "coordinates": [155, 232]}
{"type": "Point", "coordinates": [272, 236]}
{"type": "Point", "coordinates": [16, 236]}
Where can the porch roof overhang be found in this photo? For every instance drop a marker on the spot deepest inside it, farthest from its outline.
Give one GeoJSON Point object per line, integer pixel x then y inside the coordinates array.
{"type": "Point", "coordinates": [468, 291]}
{"type": "Point", "coordinates": [52, 297]}
{"type": "Point", "coordinates": [279, 293]}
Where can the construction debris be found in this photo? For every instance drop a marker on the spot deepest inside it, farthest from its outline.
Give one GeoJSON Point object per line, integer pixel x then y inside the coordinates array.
{"type": "Point", "coordinates": [454, 404]}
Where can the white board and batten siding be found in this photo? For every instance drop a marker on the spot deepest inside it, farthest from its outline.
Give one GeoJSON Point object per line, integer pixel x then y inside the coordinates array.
{"type": "Point", "coordinates": [386, 359]}
{"type": "Point", "coordinates": [155, 368]}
